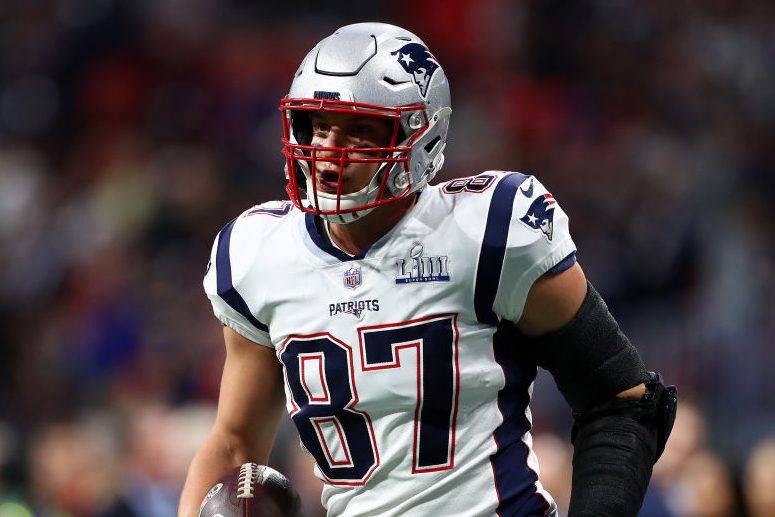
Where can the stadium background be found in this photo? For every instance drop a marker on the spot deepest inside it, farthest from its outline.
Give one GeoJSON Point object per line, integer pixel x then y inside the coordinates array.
{"type": "Point", "coordinates": [131, 131]}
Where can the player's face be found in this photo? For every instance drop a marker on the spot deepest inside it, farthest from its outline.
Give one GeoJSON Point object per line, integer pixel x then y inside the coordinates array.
{"type": "Point", "coordinates": [346, 130]}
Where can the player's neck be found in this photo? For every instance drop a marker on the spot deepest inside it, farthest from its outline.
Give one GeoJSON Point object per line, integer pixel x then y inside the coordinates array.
{"type": "Point", "coordinates": [357, 236]}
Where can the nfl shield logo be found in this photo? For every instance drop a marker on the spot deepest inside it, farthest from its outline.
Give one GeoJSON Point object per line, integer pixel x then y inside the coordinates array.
{"type": "Point", "coordinates": [352, 277]}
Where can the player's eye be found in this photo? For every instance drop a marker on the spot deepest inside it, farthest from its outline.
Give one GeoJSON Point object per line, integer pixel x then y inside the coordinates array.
{"type": "Point", "coordinates": [361, 129]}
{"type": "Point", "coordinates": [363, 135]}
{"type": "Point", "coordinates": [319, 126]}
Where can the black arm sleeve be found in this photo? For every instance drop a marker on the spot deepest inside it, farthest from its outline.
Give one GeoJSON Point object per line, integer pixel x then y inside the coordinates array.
{"type": "Point", "coordinates": [616, 441]}
{"type": "Point", "coordinates": [590, 358]}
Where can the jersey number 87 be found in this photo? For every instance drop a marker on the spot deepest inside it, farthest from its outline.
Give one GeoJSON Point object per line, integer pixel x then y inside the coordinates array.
{"type": "Point", "coordinates": [319, 373]}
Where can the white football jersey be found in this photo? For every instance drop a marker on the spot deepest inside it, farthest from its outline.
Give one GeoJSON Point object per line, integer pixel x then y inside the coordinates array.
{"type": "Point", "coordinates": [403, 372]}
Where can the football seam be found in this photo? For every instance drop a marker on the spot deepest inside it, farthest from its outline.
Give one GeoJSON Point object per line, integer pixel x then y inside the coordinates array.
{"type": "Point", "coordinates": [248, 476]}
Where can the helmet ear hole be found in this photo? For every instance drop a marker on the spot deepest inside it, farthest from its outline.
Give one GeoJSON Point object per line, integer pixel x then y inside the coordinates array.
{"type": "Point", "coordinates": [430, 146]}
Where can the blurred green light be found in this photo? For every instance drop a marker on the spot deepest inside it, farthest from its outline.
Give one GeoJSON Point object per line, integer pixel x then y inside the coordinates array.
{"type": "Point", "coordinates": [9, 509]}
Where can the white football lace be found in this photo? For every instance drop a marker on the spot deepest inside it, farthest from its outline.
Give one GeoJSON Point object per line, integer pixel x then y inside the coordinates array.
{"type": "Point", "coordinates": [248, 475]}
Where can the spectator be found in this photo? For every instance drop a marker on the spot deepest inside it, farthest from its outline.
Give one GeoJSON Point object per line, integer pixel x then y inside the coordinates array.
{"type": "Point", "coordinates": [759, 479]}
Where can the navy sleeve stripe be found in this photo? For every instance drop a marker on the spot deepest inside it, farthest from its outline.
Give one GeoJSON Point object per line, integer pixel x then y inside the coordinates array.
{"type": "Point", "coordinates": [496, 233]}
{"type": "Point", "coordinates": [226, 289]}
{"type": "Point", "coordinates": [562, 265]}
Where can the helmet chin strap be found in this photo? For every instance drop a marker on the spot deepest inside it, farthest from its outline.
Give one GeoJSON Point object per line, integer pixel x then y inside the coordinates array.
{"type": "Point", "coordinates": [345, 218]}
{"type": "Point", "coordinates": [327, 202]}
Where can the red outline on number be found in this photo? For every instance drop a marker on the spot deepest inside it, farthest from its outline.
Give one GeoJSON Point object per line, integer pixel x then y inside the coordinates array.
{"type": "Point", "coordinates": [460, 182]}
{"type": "Point", "coordinates": [289, 393]}
{"type": "Point", "coordinates": [492, 178]}
{"type": "Point", "coordinates": [278, 213]}
{"type": "Point", "coordinates": [350, 407]}
{"type": "Point", "coordinates": [348, 462]}
{"type": "Point", "coordinates": [321, 359]}
{"type": "Point", "coordinates": [396, 363]}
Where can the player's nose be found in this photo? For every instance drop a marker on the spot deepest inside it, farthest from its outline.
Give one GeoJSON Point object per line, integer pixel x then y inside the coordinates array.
{"type": "Point", "coordinates": [335, 137]}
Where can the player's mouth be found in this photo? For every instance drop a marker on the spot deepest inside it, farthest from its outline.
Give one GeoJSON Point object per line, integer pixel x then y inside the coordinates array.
{"type": "Point", "coordinates": [328, 180]}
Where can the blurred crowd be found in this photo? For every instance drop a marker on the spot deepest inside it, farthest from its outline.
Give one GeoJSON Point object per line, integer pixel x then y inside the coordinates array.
{"type": "Point", "coordinates": [132, 131]}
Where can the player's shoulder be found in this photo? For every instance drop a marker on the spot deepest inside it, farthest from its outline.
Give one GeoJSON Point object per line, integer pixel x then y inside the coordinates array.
{"type": "Point", "coordinates": [268, 214]}
{"type": "Point", "coordinates": [501, 199]}
{"type": "Point", "coordinates": [482, 185]}
{"type": "Point", "coordinates": [480, 191]}
{"type": "Point", "coordinates": [263, 226]}
{"type": "Point", "coordinates": [262, 219]}
{"type": "Point", "coordinates": [242, 244]}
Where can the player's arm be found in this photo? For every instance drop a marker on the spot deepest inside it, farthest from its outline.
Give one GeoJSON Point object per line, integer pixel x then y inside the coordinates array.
{"type": "Point", "coordinates": [249, 408]}
{"type": "Point", "coordinates": [623, 414]}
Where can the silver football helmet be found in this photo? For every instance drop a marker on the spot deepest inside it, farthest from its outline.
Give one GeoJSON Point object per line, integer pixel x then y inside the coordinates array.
{"type": "Point", "coordinates": [378, 70]}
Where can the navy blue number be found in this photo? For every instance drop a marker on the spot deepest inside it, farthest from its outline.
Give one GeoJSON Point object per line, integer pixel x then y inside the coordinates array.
{"type": "Point", "coordinates": [325, 408]}
{"type": "Point", "coordinates": [475, 184]}
{"type": "Point", "coordinates": [434, 340]}
{"type": "Point", "coordinates": [319, 373]}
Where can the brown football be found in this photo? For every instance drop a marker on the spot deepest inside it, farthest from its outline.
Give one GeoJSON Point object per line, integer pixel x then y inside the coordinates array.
{"type": "Point", "coordinates": [252, 490]}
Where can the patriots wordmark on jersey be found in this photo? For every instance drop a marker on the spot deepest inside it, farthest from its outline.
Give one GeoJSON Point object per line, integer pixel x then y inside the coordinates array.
{"type": "Point", "coordinates": [401, 368]}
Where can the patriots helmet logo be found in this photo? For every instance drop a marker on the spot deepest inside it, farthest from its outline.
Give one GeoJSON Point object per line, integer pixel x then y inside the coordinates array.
{"type": "Point", "coordinates": [540, 215]}
{"type": "Point", "coordinates": [418, 62]}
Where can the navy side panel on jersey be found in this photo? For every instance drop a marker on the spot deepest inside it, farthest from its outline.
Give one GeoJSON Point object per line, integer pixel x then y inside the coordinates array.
{"type": "Point", "coordinates": [514, 479]}
{"type": "Point", "coordinates": [226, 288]}
{"type": "Point", "coordinates": [496, 233]}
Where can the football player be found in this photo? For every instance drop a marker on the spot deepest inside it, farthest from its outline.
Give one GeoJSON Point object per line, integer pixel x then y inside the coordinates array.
{"type": "Point", "coordinates": [405, 322]}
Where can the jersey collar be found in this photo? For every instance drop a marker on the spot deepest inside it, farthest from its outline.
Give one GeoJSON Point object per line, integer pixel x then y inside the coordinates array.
{"type": "Point", "coordinates": [322, 241]}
